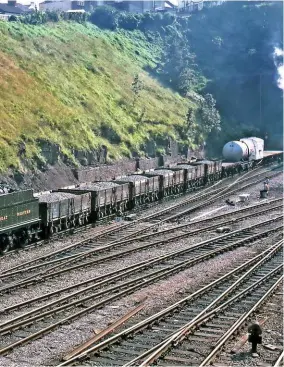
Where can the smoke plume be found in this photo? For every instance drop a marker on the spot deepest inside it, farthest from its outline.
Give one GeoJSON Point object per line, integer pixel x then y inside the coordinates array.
{"type": "Point", "coordinates": [278, 60]}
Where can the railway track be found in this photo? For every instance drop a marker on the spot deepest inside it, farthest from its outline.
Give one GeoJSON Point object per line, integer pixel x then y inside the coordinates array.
{"type": "Point", "coordinates": [175, 212]}
{"type": "Point", "coordinates": [183, 333]}
{"type": "Point", "coordinates": [280, 361]}
{"type": "Point", "coordinates": [29, 274]}
{"type": "Point", "coordinates": [118, 232]}
{"type": "Point", "coordinates": [73, 250]}
{"type": "Point", "coordinates": [95, 293]}
{"type": "Point", "coordinates": [102, 241]}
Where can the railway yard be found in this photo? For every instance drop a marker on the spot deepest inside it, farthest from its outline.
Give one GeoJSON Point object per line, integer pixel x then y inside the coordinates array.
{"type": "Point", "coordinates": [176, 286]}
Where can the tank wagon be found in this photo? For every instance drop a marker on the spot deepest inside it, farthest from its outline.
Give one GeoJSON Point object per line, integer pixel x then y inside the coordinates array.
{"type": "Point", "coordinates": [24, 217]}
{"type": "Point", "coordinates": [247, 149]}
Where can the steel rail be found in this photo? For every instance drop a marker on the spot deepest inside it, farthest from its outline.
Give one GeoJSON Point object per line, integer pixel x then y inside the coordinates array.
{"type": "Point", "coordinates": [279, 360]}
{"type": "Point", "coordinates": [239, 323]}
{"type": "Point", "coordinates": [227, 188]}
{"type": "Point", "coordinates": [69, 258]}
{"type": "Point", "coordinates": [167, 271]}
{"type": "Point", "coordinates": [104, 332]}
{"type": "Point", "coordinates": [103, 279]}
{"type": "Point", "coordinates": [220, 195]}
{"type": "Point", "coordinates": [181, 334]}
{"type": "Point", "coordinates": [111, 230]}
{"type": "Point", "coordinates": [141, 283]}
{"type": "Point", "coordinates": [11, 273]}
{"type": "Point", "coordinates": [86, 241]}
{"type": "Point", "coordinates": [49, 274]}
{"type": "Point", "coordinates": [259, 260]}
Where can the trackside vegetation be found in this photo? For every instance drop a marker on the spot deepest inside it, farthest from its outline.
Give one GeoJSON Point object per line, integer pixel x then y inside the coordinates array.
{"type": "Point", "coordinates": [122, 80]}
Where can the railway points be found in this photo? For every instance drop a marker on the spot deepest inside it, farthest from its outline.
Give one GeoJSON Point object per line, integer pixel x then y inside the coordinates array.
{"type": "Point", "coordinates": [129, 258]}
{"type": "Point", "coordinates": [151, 338]}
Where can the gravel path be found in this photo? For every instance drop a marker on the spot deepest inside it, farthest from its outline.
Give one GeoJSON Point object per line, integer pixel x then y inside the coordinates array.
{"type": "Point", "coordinates": [48, 350]}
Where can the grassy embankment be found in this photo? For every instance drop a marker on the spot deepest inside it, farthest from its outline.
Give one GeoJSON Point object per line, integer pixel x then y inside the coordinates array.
{"type": "Point", "coordinates": [70, 83]}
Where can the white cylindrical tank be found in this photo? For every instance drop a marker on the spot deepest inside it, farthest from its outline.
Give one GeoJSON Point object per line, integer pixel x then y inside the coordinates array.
{"type": "Point", "coordinates": [235, 151]}
{"type": "Point", "coordinates": [256, 147]}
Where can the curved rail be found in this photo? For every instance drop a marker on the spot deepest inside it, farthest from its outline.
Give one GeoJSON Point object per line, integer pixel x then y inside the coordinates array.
{"type": "Point", "coordinates": [227, 285]}
{"type": "Point", "coordinates": [65, 305]}
{"type": "Point", "coordinates": [23, 267]}
{"type": "Point", "coordinates": [57, 270]}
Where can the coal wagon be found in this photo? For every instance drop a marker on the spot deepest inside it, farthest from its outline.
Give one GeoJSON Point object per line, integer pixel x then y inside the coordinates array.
{"type": "Point", "coordinates": [166, 181]}
{"type": "Point", "coordinates": [19, 219]}
{"type": "Point", "coordinates": [190, 176]}
{"type": "Point", "coordinates": [106, 197]}
{"type": "Point", "coordinates": [63, 210]}
{"type": "Point", "coordinates": [142, 189]}
{"type": "Point", "coordinates": [178, 178]}
{"type": "Point", "coordinates": [212, 170]}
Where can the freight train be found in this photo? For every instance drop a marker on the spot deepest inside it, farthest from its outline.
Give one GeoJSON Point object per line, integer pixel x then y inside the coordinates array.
{"type": "Point", "coordinates": [25, 217]}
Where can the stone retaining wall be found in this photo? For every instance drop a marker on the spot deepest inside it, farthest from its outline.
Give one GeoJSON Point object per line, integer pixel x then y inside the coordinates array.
{"type": "Point", "coordinates": [105, 172]}
{"type": "Point", "coordinates": [121, 168]}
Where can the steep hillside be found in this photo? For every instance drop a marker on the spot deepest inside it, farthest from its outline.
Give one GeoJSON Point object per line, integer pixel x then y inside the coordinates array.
{"type": "Point", "coordinates": [239, 47]}
{"type": "Point", "coordinates": [121, 80]}
{"type": "Point", "coordinates": [74, 85]}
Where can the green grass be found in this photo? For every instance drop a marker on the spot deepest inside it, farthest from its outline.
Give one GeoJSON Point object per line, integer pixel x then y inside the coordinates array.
{"type": "Point", "coordinates": [63, 82]}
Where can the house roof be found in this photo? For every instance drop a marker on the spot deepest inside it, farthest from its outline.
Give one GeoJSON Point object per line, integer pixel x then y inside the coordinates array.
{"type": "Point", "coordinates": [172, 3]}
{"type": "Point", "coordinates": [4, 8]}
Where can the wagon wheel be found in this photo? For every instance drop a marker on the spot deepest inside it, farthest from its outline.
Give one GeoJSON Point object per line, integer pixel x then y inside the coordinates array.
{"type": "Point", "coordinates": [7, 244]}
{"type": "Point", "coordinates": [5, 248]}
{"type": "Point", "coordinates": [23, 242]}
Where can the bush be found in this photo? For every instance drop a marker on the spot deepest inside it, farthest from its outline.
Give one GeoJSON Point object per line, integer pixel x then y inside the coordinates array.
{"type": "Point", "coordinates": [128, 21]}
{"type": "Point", "coordinates": [105, 17]}
{"type": "Point", "coordinates": [39, 17]}
{"type": "Point", "coordinates": [150, 22]}
{"type": "Point", "coordinates": [12, 18]}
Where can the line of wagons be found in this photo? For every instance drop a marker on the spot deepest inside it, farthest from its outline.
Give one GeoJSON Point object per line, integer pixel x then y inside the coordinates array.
{"type": "Point", "coordinates": [25, 217]}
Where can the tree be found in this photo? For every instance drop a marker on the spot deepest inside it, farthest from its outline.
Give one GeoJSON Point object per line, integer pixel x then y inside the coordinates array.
{"type": "Point", "coordinates": [178, 66]}
{"type": "Point", "coordinates": [105, 17]}
{"type": "Point", "coordinates": [137, 86]}
{"type": "Point", "coordinates": [210, 117]}
{"type": "Point", "coordinates": [128, 21]}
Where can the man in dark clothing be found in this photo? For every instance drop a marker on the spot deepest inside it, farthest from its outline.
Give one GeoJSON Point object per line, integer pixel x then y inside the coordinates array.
{"type": "Point", "coordinates": [254, 337]}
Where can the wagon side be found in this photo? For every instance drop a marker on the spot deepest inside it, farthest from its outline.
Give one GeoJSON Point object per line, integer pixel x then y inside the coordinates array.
{"type": "Point", "coordinates": [19, 219]}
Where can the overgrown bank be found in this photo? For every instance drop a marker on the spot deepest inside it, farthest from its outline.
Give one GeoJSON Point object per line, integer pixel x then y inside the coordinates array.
{"type": "Point", "coordinates": [131, 81]}
{"type": "Point", "coordinates": [71, 84]}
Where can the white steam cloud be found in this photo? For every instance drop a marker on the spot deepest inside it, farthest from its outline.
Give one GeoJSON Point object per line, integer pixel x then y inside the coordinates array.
{"type": "Point", "coordinates": [278, 53]}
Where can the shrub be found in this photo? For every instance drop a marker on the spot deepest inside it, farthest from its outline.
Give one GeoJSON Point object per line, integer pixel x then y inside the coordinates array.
{"type": "Point", "coordinates": [128, 21]}
{"type": "Point", "coordinates": [105, 17]}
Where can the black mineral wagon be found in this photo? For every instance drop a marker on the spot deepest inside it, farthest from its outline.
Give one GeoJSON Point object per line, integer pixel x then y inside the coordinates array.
{"type": "Point", "coordinates": [19, 219]}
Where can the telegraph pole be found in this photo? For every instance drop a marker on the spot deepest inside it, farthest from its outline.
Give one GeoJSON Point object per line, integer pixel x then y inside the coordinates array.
{"type": "Point", "coordinates": [260, 106]}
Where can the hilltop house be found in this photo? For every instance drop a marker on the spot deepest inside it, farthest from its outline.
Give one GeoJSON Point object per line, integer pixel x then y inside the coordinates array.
{"type": "Point", "coordinates": [13, 8]}
{"type": "Point", "coordinates": [88, 5]}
